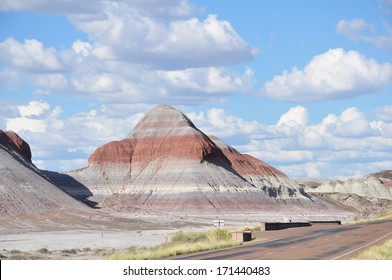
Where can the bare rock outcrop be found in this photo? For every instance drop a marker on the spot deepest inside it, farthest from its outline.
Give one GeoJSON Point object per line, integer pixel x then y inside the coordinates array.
{"type": "Point", "coordinates": [377, 185]}
{"type": "Point", "coordinates": [24, 191]}
{"type": "Point", "coordinates": [15, 144]}
{"type": "Point", "coordinates": [260, 174]}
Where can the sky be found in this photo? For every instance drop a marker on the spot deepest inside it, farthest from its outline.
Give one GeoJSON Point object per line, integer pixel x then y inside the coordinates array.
{"type": "Point", "coordinates": [305, 86]}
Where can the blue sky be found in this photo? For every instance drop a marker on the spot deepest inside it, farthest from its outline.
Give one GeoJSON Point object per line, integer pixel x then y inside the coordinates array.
{"type": "Point", "coordinates": [303, 85]}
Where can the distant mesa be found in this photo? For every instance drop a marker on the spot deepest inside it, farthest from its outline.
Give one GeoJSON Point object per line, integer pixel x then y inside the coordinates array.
{"type": "Point", "coordinates": [166, 163]}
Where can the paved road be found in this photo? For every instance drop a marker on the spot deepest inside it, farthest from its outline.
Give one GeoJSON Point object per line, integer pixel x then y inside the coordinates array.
{"type": "Point", "coordinates": [307, 243]}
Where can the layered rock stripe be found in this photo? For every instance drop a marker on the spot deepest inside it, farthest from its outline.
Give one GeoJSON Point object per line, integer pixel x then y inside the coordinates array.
{"type": "Point", "coordinates": [24, 189]}
{"type": "Point", "coordinates": [167, 163]}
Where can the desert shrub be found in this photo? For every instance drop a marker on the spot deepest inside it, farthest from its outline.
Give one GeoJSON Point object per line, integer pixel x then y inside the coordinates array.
{"type": "Point", "coordinates": [219, 235]}
{"type": "Point", "coordinates": [190, 237]}
{"type": "Point", "coordinates": [254, 228]}
{"type": "Point", "coordinates": [43, 251]}
{"type": "Point", "coordinates": [26, 256]}
{"type": "Point", "coordinates": [70, 251]}
{"type": "Point", "coordinates": [15, 252]}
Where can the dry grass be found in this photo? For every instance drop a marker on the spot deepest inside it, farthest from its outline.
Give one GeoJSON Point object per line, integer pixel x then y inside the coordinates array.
{"type": "Point", "coordinates": [385, 217]}
{"type": "Point", "coordinates": [382, 252]}
{"type": "Point", "coordinates": [26, 256]}
{"type": "Point", "coordinates": [182, 243]}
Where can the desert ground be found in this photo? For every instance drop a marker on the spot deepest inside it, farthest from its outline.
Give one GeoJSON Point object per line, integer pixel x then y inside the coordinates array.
{"type": "Point", "coordinates": [94, 237]}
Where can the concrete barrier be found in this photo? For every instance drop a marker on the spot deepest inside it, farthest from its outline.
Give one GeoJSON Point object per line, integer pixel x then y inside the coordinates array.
{"type": "Point", "coordinates": [283, 225]}
{"type": "Point", "coordinates": [325, 223]}
{"type": "Point", "coordinates": [242, 236]}
{"type": "Point", "coordinates": [277, 226]}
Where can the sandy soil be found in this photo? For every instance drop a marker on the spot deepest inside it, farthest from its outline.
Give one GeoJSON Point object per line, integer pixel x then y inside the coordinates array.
{"type": "Point", "coordinates": [97, 237]}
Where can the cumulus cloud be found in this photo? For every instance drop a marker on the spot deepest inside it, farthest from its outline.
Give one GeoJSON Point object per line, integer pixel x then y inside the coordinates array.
{"type": "Point", "coordinates": [137, 52]}
{"type": "Point", "coordinates": [30, 56]}
{"type": "Point", "coordinates": [137, 38]}
{"type": "Point", "coordinates": [289, 122]}
{"type": "Point", "coordinates": [336, 74]}
{"type": "Point", "coordinates": [36, 117]}
{"type": "Point", "coordinates": [351, 123]}
{"type": "Point", "coordinates": [34, 108]}
{"type": "Point", "coordinates": [161, 34]}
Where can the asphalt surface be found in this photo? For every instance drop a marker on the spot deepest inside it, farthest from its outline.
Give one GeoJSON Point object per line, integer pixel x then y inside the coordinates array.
{"type": "Point", "coordinates": [319, 242]}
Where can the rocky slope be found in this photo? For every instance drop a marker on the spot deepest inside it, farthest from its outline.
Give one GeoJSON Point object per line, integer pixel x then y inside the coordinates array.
{"type": "Point", "coordinates": [15, 145]}
{"type": "Point", "coordinates": [167, 164]}
{"type": "Point", "coordinates": [261, 175]}
{"type": "Point", "coordinates": [369, 196]}
{"type": "Point", "coordinates": [371, 186]}
{"type": "Point", "coordinates": [23, 188]}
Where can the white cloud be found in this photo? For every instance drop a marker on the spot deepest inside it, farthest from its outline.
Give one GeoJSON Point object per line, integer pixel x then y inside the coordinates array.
{"type": "Point", "coordinates": [218, 123]}
{"type": "Point", "coordinates": [353, 28]}
{"type": "Point", "coordinates": [385, 113]}
{"type": "Point", "coordinates": [96, 84]}
{"type": "Point", "coordinates": [80, 47]}
{"type": "Point", "coordinates": [36, 117]}
{"type": "Point", "coordinates": [34, 108]}
{"type": "Point", "coordinates": [209, 80]}
{"type": "Point", "coordinates": [217, 44]}
{"type": "Point", "coordinates": [305, 170]}
{"type": "Point", "coordinates": [52, 82]}
{"type": "Point", "coordinates": [336, 74]}
{"type": "Point", "coordinates": [72, 7]}
{"type": "Point", "coordinates": [351, 123]}
{"type": "Point", "coordinates": [295, 117]}
{"type": "Point", "coordinates": [32, 125]}
{"type": "Point", "coordinates": [175, 44]}
{"type": "Point", "coordinates": [138, 52]}
{"type": "Point", "coordinates": [118, 82]}
{"type": "Point", "coordinates": [30, 56]}
{"type": "Point", "coordinates": [92, 9]}
{"type": "Point", "coordinates": [359, 30]}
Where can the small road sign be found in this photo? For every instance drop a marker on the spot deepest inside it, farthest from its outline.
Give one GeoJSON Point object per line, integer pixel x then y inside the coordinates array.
{"type": "Point", "coordinates": [219, 223]}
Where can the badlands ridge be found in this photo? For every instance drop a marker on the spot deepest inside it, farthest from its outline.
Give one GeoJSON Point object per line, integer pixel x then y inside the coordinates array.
{"type": "Point", "coordinates": [168, 166]}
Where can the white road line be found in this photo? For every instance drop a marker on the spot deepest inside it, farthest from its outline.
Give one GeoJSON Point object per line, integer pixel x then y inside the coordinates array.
{"type": "Point", "coordinates": [352, 251]}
